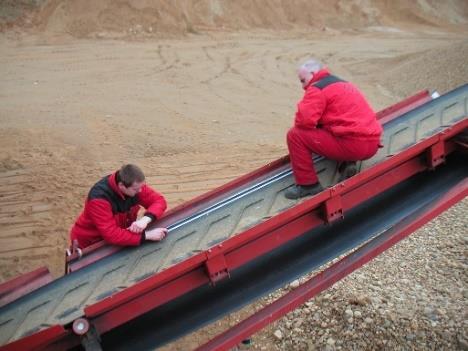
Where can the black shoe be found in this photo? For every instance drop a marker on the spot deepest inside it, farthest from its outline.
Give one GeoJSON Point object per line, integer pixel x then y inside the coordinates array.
{"type": "Point", "coordinates": [347, 170]}
{"type": "Point", "coordinates": [298, 191]}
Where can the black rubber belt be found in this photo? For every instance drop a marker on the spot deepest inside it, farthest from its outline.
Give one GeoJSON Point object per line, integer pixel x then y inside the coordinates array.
{"type": "Point", "coordinates": [274, 270]}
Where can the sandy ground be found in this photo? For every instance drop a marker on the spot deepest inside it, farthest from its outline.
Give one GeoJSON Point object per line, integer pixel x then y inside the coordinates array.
{"type": "Point", "coordinates": [194, 112]}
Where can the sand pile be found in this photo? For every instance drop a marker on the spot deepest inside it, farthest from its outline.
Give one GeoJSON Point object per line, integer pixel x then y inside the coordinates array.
{"type": "Point", "coordinates": [441, 69]}
{"type": "Point", "coordinates": [17, 12]}
{"type": "Point", "coordinates": [109, 18]}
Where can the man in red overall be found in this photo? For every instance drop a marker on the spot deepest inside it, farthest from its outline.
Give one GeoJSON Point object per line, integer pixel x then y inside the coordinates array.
{"type": "Point", "coordinates": [333, 120]}
{"type": "Point", "coordinates": [111, 208]}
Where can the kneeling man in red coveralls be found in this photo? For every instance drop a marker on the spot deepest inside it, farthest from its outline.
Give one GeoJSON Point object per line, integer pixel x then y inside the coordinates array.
{"type": "Point", "coordinates": [110, 211]}
{"type": "Point", "coordinates": [334, 120]}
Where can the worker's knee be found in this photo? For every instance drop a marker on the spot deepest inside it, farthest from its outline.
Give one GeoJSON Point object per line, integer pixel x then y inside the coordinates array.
{"type": "Point", "coordinates": [292, 135]}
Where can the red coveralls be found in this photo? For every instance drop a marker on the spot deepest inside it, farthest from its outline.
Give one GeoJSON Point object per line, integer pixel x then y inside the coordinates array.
{"type": "Point", "coordinates": [335, 122]}
{"type": "Point", "coordinates": [108, 212]}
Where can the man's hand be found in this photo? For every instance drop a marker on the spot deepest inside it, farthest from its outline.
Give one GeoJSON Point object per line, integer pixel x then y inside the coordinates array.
{"type": "Point", "coordinates": [156, 234]}
{"type": "Point", "coordinates": [139, 225]}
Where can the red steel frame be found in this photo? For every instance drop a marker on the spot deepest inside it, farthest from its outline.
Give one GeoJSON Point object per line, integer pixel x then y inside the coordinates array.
{"type": "Point", "coordinates": [24, 284]}
{"type": "Point", "coordinates": [331, 275]}
{"type": "Point", "coordinates": [182, 278]}
{"type": "Point", "coordinates": [404, 106]}
{"type": "Point", "coordinates": [263, 238]}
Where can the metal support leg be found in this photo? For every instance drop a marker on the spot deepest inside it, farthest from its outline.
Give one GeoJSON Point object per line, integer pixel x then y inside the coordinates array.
{"type": "Point", "coordinates": [91, 341]}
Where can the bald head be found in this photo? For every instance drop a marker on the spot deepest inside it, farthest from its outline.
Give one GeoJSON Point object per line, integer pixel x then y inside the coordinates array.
{"type": "Point", "coordinates": [306, 71]}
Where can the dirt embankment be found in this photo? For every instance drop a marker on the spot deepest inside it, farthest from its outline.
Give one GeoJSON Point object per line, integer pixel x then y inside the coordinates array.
{"type": "Point", "coordinates": [122, 18]}
{"type": "Point", "coordinates": [441, 68]}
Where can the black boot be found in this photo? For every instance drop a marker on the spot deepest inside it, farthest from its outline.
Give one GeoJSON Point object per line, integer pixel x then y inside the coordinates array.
{"type": "Point", "coordinates": [298, 191]}
{"type": "Point", "coordinates": [347, 170]}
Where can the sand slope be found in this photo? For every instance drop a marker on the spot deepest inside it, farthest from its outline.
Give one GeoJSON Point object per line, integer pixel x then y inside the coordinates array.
{"type": "Point", "coordinates": [88, 18]}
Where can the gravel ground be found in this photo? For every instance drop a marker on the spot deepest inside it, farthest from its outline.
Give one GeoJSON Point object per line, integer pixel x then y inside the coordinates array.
{"type": "Point", "coordinates": [429, 75]}
{"type": "Point", "coordinates": [412, 297]}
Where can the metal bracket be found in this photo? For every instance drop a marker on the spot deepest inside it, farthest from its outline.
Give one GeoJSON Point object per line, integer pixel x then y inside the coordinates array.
{"type": "Point", "coordinates": [73, 253]}
{"type": "Point", "coordinates": [333, 208]}
{"type": "Point", "coordinates": [436, 154]}
{"type": "Point", "coordinates": [462, 140]}
{"type": "Point", "coordinates": [463, 145]}
{"type": "Point", "coordinates": [215, 265]}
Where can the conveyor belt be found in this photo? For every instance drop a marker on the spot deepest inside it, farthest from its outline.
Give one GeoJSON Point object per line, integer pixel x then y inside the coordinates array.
{"type": "Point", "coordinates": [288, 262]}
{"type": "Point", "coordinates": [63, 300]}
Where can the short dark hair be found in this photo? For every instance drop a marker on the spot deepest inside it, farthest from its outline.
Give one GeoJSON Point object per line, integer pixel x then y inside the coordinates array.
{"type": "Point", "coordinates": [129, 174]}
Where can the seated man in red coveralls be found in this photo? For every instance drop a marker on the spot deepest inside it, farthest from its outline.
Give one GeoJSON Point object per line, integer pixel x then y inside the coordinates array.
{"type": "Point", "coordinates": [110, 211]}
{"type": "Point", "coordinates": [334, 120]}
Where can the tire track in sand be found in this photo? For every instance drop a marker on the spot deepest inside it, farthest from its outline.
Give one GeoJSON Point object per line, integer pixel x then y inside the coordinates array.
{"type": "Point", "coordinates": [25, 215]}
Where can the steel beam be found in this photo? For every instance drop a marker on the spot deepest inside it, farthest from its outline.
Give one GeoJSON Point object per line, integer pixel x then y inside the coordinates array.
{"type": "Point", "coordinates": [24, 284]}
{"type": "Point", "coordinates": [288, 261]}
{"type": "Point", "coordinates": [325, 279]}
